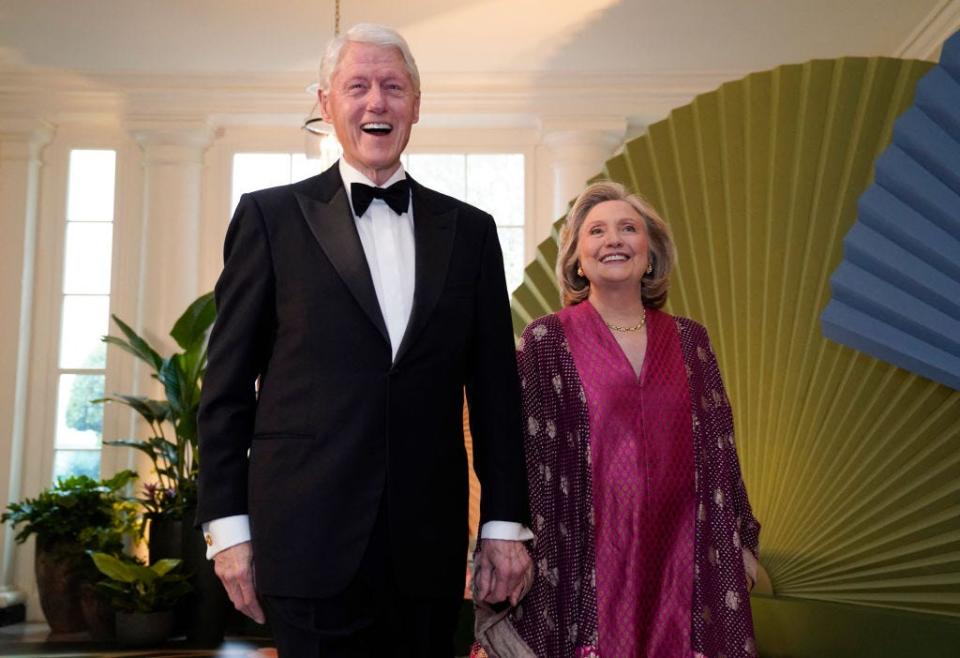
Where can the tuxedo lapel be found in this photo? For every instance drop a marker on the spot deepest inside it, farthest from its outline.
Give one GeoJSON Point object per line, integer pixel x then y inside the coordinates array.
{"type": "Point", "coordinates": [433, 233]}
{"type": "Point", "coordinates": [331, 221]}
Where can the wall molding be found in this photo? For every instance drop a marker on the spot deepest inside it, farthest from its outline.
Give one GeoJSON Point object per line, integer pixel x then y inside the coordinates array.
{"type": "Point", "coordinates": [512, 99]}
{"type": "Point", "coordinates": [925, 41]}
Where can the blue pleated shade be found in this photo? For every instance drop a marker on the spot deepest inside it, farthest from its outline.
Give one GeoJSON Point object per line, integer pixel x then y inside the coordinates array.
{"type": "Point", "coordinates": [896, 293]}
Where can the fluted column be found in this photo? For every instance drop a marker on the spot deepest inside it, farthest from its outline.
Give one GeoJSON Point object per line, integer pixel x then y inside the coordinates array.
{"type": "Point", "coordinates": [579, 149]}
{"type": "Point", "coordinates": [173, 166]}
{"type": "Point", "coordinates": [21, 144]}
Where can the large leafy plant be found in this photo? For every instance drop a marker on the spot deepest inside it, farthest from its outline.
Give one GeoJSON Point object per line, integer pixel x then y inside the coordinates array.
{"type": "Point", "coordinates": [133, 587]}
{"type": "Point", "coordinates": [75, 514]}
{"type": "Point", "coordinates": [172, 421]}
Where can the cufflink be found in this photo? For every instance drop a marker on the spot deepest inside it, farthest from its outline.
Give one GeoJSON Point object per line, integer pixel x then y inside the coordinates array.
{"type": "Point", "coordinates": [208, 538]}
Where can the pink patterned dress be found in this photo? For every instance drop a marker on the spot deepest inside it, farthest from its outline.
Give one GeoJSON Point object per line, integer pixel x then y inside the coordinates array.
{"type": "Point", "coordinates": [642, 467]}
{"type": "Point", "coordinates": [637, 502]}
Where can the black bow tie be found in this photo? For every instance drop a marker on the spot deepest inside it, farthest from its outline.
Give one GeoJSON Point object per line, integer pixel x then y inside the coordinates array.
{"type": "Point", "coordinates": [397, 196]}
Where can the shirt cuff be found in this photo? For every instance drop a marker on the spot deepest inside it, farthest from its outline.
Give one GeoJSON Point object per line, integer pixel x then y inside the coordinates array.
{"type": "Point", "coordinates": [505, 530]}
{"type": "Point", "coordinates": [221, 534]}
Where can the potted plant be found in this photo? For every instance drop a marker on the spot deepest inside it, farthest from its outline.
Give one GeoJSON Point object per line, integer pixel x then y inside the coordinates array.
{"type": "Point", "coordinates": [143, 597]}
{"type": "Point", "coordinates": [75, 514]}
{"type": "Point", "coordinates": [125, 523]}
{"type": "Point", "coordinates": [170, 501]}
{"type": "Point", "coordinates": [172, 421]}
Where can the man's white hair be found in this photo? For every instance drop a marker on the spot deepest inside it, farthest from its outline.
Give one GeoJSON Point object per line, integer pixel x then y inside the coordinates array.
{"type": "Point", "coordinates": [378, 35]}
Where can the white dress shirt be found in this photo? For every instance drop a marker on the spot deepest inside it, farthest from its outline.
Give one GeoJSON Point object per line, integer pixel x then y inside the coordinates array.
{"type": "Point", "coordinates": [387, 240]}
{"type": "Point", "coordinates": [388, 244]}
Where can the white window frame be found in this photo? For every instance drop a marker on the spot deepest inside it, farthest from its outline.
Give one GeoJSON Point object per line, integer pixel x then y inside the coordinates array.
{"type": "Point", "coordinates": [38, 458]}
{"type": "Point", "coordinates": [219, 174]}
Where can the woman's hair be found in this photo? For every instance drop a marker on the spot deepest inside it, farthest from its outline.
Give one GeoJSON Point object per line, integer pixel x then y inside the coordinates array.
{"type": "Point", "coordinates": [378, 35]}
{"type": "Point", "coordinates": [663, 254]}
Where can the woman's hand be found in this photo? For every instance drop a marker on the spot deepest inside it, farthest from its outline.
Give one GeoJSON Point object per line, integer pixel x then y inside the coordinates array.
{"type": "Point", "coordinates": [749, 569]}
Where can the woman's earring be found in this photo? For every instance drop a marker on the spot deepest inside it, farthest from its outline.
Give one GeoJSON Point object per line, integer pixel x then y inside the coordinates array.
{"type": "Point", "coordinates": [649, 268]}
{"type": "Point", "coordinates": [579, 271]}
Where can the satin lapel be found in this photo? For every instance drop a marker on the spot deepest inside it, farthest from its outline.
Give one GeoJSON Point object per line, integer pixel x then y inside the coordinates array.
{"type": "Point", "coordinates": [433, 234]}
{"type": "Point", "coordinates": [332, 224]}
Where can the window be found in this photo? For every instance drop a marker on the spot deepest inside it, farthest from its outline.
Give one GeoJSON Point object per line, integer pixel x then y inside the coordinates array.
{"type": "Point", "coordinates": [493, 182]}
{"type": "Point", "coordinates": [85, 312]}
{"type": "Point", "coordinates": [255, 171]}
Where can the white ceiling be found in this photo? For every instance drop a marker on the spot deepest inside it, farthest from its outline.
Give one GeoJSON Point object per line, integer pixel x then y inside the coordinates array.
{"type": "Point", "coordinates": [484, 63]}
{"type": "Point", "coordinates": [234, 37]}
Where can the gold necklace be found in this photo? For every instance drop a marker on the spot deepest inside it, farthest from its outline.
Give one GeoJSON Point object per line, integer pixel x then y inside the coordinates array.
{"type": "Point", "coordinates": [636, 327]}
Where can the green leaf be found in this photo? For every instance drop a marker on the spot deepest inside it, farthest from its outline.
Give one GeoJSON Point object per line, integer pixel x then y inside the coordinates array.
{"type": "Point", "coordinates": [163, 567]}
{"type": "Point", "coordinates": [153, 411]}
{"type": "Point", "coordinates": [136, 444]}
{"type": "Point", "coordinates": [187, 428]}
{"type": "Point", "coordinates": [171, 594]}
{"type": "Point", "coordinates": [165, 449]}
{"type": "Point", "coordinates": [172, 379]}
{"type": "Point", "coordinates": [113, 586]}
{"type": "Point", "coordinates": [188, 368]}
{"type": "Point", "coordinates": [120, 480]}
{"type": "Point", "coordinates": [135, 344]}
{"type": "Point", "coordinates": [114, 569]}
{"type": "Point", "coordinates": [191, 328]}
{"type": "Point", "coordinates": [193, 364]}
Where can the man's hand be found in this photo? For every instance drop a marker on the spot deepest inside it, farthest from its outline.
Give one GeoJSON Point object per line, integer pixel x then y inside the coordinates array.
{"type": "Point", "coordinates": [234, 568]}
{"type": "Point", "coordinates": [503, 570]}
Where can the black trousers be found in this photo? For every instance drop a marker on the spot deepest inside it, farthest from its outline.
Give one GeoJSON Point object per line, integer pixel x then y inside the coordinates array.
{"type": "Point", "coordinates": [372, 617]}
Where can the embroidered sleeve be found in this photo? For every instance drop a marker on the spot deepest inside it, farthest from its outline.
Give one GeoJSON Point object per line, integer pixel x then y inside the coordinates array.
{"type": "Point", "coordinates": [537, 614]}
{"type": "Point", "coordinates": [748, 528]}
{"type": "Point", "coordinates": [558, 616]}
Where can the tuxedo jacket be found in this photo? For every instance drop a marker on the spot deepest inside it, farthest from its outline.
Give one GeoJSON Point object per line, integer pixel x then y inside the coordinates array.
{"type": "Point", "coordinates": [306, 421]}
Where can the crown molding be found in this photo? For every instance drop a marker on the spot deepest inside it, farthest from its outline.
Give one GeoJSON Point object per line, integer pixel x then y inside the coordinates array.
{"type": "Point", "coordinates": [282, 98]}
{"type": "Point", "coordinates": [925, 41]}
{"type": "Point", "coordinates": [23, 138]}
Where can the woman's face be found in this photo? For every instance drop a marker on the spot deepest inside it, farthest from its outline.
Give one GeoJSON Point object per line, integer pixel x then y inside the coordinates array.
{"type": "Point", "coordinates": [613, 246]}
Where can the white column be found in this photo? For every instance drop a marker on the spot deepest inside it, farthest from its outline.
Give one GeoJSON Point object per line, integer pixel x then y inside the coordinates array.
{"type": "Point", "coordinates": [173, 165]}
{"type": "Point", "coordinates": [21, 143]}
{"type": "Point", "coordinates": [579, 149]}
{"type": "Point", "coordinates": [172, 208]}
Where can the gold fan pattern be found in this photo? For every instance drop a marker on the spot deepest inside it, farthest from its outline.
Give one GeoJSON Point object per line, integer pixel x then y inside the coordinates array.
{"type": "Point", "coordinates": [853, 465]}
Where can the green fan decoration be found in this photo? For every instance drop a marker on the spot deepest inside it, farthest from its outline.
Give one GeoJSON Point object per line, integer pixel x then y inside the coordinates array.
{"type": "Point", "coordinates": [853, 465]}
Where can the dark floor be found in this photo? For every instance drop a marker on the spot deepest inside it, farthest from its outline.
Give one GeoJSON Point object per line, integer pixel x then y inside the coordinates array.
{"type": "Point", "coordinates": [31, 640]}
{"type": "Point", "coordinates": [244, 640]}
{"type": "Point", "coordinates": [35, 641]}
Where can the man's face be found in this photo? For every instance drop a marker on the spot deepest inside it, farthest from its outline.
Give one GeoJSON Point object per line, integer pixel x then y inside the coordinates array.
{"type": "Point", "coordinates": [372, 105]}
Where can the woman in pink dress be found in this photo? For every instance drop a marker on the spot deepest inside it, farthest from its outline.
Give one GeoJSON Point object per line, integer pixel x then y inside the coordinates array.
{"type": "Point", "coordinates": [645, 541]}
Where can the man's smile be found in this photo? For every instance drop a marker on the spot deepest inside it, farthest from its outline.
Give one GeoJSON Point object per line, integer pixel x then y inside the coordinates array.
{"type": "Point", "coordinates": [377, 128]}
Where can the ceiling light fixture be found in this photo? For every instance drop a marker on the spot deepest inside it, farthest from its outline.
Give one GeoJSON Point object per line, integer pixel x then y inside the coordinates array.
{"type": "Point", "coordinates": [320, 141]}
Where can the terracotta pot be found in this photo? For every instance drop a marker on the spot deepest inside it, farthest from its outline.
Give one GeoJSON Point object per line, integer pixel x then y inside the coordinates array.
{"type": "Point", "coordinates": [144, 628]}
{"type": "Point", "coordinates": [58, 584]}
{"type": "Point", "coordinates": [97, 613]}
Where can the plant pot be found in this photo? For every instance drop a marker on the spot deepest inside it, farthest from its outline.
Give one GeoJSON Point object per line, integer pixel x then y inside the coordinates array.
{"type": "Point", "coordinates": [58, 584]}
{"type": "Point", "coordinates": [97, 613]}
{"type": "Point", "coordinates": [166, 539]}
{"type": "Point", "coordinates": [208, 605]}
{"type": "Point", "coordinates": [138, 629]}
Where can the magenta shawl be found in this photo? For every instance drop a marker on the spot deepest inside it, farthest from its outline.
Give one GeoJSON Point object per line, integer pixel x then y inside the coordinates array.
{"type": "Point", "coordinates": [558, 618]}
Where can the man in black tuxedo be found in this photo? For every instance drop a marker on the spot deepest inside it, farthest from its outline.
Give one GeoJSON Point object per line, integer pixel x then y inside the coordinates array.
{"type": "Point", "coordinates": [353, 309]}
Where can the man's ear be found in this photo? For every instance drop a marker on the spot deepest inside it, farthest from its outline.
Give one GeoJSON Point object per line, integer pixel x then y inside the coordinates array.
{"type": "Point", "coordinates": [416, 108]}
{"type": "Point", "coordinates": [323, 99]}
